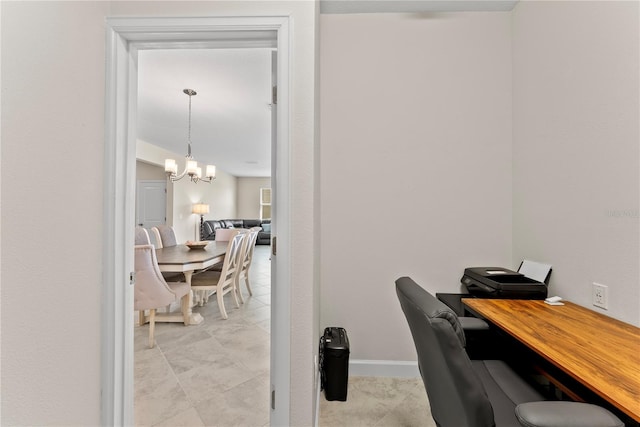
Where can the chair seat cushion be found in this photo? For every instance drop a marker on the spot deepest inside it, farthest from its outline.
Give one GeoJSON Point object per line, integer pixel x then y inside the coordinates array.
{"type": "Point", "coordinates": [566, 414]}
{"type": "Point", "coordinates": [473, 324]}
{"type": "Point", "coordinates": [505, 389]}
{"type": "Point", "coordinates": [172, 277]}
{"type": "Point", "coordinates": [179, 288]}
{"type": "Point", "coordinates": [206, 278]}
{"type": "Point", "coordinates": [216, 267]}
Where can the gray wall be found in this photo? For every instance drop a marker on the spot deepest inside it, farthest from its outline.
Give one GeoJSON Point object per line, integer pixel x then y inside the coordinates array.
{"type": "Point", "coordinates": [415, 163]}
{"type": "Point", "coordinates": [576, 147]}
{"type": "Point", "coordinates": [455, 140]}
{"type": "Point", "coordinates": [249, 196]}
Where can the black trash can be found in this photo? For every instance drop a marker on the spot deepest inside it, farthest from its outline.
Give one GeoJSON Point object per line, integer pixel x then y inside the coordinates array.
{"type": "Point", "coordinates": [334, 363]}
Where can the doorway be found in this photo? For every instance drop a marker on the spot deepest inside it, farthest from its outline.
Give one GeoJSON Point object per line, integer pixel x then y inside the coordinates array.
{"type": "Point", "coordinates": [125, 37]}
{"type": "Point", "coordinates": [217, 371]}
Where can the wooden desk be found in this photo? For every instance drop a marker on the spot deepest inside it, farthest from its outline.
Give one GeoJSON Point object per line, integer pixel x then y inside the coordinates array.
{"type": "Point", "coordinates": [599, 352]}
{"type": "Point", "coordinates": [181, 259]}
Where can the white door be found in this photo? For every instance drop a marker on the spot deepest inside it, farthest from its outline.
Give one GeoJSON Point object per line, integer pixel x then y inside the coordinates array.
{"type": "Point", "coordinates": [151, 203]}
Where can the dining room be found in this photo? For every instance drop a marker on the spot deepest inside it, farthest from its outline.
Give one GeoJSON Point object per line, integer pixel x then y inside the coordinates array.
{"type": "Point", "coordinates": [212, 362]}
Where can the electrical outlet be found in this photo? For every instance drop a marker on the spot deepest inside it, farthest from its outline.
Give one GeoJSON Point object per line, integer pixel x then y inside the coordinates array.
{"type": "Point", "coordinates": [599, 295]}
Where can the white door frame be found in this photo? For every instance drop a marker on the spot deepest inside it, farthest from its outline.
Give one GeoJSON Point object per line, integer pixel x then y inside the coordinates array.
{"type": "Point", "coordinates": [125, 36]}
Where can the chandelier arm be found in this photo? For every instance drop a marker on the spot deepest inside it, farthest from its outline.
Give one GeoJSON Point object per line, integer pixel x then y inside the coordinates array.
{"type": "Point", "coordinates": [178, 177]}
{"type": "Point", "coordinates": [192, 170]}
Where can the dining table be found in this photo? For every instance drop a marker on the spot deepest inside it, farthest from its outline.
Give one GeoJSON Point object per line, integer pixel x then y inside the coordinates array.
{"type": "Point", "coordinates": [185, 260]}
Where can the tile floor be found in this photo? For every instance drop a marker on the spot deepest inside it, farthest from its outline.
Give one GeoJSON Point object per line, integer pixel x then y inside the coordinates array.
{"type": "Point", "coordinates": [217, 373]}
{"type": "Point", "coordinates": [380, 402]}
{"type": "Point", "coordinates": [212, 374]}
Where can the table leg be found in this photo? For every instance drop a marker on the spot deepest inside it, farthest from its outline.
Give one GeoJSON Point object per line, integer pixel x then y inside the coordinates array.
{"type": "Point", "coordinates": [194, 318]}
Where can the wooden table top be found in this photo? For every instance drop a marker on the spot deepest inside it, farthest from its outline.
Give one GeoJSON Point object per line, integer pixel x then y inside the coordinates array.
{"type": "Point", "coordinates": [181, 258]}
{"type": "Point", "coordinates": [600, 352]}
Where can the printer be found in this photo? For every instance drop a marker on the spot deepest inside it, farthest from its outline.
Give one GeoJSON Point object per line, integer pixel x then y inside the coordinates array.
{"type": "Point", "coordinates": [498, 282]}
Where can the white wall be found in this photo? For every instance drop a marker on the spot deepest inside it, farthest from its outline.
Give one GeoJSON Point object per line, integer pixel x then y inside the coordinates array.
{"type": "Point", "coordinates": [53, 61]}
{"type": "Point", "coordinates": [415, 163]}
{"type": "Point", "coordinates": [220, 195]}
{"type": "Point", "coordinates": [576, 147]}
{"type": "Point", "coordinates": [249, 196]}
{"type": "Point", "coordinates": [148, 171]}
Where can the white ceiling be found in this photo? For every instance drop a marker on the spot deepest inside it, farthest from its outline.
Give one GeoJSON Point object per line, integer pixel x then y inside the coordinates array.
{"type": "Point", "coordinates": [230, 115]}
{"type": "Point", "coordinates": [414, 6]}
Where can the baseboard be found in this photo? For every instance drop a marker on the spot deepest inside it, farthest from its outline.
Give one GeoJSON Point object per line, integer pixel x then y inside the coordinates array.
{"type": "Point", "coordinates": [383, 368]}
{"type": "Point", "coordinates": [316, 417]}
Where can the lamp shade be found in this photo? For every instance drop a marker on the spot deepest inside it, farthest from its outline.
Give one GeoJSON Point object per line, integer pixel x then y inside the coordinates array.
{"type": "Point", "coordinates": [200, 208]}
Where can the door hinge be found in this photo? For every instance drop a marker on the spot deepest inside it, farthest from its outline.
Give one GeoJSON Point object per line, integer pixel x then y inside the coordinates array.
{"type": "Point", "coordinates": [274, 95]}
{"type": "Point", "coordinates": [273, 399]}
{"type": "Point", "coordinates": [132, 278]}
{"type": "Point", "coordinates": [273, 245]}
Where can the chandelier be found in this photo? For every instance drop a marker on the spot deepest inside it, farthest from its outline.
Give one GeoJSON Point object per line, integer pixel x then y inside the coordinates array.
{"type": "Point", "coordinates": [191, 167]}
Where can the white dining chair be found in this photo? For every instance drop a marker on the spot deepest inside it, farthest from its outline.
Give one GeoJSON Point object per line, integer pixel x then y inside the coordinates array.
{"type": "Point", "coordinates": [245, 261]}
{"type": "Point", "coordinates": [226, 234]}
{"type": "Point", "coordinates": [151, 291]}
{"type": "Point", "coordinates": [165, 235]}
{"type": "Point", "coordinates": [142, 236]}
{"type": "Point", "coordinates": [208, 282]}
{"type": "Point", "coordinates": [156, 236]}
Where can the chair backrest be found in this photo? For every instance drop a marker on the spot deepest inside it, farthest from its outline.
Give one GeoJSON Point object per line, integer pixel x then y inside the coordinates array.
{"type": "Point", "coordinates": [248, 247]}
{"type": "Point", "coordinates": [150, 289]}
{"type": "Point", "coordinates": [167, 236]}
{"type": "Point", "coordinates": [231, 264]}
{"type": "Point", "coordinates": [156, 236]}
{"type": "Point", "coordinates": [142, 236]}
{"type": "Point", "coordinates": [456, 394]}
{"type": "Point", "coordinates": [226, 234]}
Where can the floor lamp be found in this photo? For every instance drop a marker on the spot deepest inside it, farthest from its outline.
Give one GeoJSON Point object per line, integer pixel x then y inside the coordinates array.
{"type": "Point", "coordinates": [201, 209]}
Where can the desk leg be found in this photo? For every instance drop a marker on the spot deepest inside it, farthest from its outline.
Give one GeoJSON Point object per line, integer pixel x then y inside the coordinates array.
{"type": "Point", "coordinates": [194, 318]}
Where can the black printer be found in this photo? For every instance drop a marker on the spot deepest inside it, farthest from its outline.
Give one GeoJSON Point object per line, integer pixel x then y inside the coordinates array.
{"type": "Point", "coordinates": [498, 282]}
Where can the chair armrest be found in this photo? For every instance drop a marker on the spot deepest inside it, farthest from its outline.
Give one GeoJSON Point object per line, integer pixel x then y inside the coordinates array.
{"type": "Point", "coordinates": [473, 324]}
{"type": "Point", "coordinates": [565, 414]}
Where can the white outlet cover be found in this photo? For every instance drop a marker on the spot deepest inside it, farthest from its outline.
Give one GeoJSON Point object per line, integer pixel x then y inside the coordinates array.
{"type": "Point", "coordinates": [600, 295]}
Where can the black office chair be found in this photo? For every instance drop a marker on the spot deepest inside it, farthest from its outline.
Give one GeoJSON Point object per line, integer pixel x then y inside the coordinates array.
{"type": "Point", "coordinates": [479, 393]}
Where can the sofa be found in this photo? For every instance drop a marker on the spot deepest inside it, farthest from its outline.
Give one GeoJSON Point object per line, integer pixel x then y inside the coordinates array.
{"type": "Point", "coordinates": [264, 236]}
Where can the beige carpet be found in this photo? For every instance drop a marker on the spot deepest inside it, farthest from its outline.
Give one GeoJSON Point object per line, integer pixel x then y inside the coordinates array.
{"type": "Point", "coordinates": [379, 401]}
